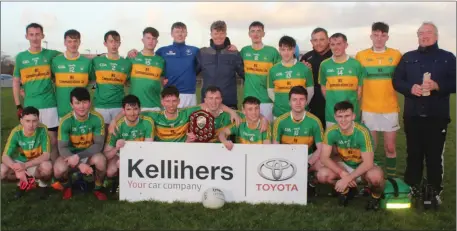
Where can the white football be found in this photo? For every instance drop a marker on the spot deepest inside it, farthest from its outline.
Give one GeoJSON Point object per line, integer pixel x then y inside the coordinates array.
{"type": "Point", "coordinates": [213, 198]}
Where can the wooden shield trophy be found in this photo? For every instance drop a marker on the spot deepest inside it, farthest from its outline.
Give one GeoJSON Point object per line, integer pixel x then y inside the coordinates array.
{"type": "Point", "coordinates": [202, 125]}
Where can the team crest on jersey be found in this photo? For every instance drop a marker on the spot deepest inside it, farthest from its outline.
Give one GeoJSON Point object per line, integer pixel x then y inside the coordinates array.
{"type": "Point", "coordinates": [288, 74]}
{"type": "Point", "coordinates": [147, 61]}
{"type": "Point", "coordinates": [256, 57]}
{"type": "Point", "coordinates": [188, 52]}
{"type": "Point", "coordinates": [170, 52]}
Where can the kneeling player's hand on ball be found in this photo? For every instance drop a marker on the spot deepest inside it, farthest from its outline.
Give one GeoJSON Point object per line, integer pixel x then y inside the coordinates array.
{"type": "Point", "coordinates": [85, 169]}
{"type": "Point", "coordinates": [73, 160]}
{"type": "Point", "coordinates": [120, 144]}
{"type": "Point", "coordinates": [228, 144]}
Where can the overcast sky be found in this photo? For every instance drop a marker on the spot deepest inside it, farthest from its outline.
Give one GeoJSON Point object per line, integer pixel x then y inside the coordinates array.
{"type": "Point", "coordinates": [296, 19]}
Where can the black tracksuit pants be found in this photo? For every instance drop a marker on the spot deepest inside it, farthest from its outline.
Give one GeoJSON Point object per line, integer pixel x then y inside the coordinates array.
{"type": "Point", "coordinates": [425, 139]}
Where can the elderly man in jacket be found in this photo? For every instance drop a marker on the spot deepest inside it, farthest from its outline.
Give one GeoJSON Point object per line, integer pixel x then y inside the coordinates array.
{"type": "Point", "coordinates": [426, 77]}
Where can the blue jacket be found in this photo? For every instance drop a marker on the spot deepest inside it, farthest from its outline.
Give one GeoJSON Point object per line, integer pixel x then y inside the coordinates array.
{"type": "Point", "coordinates": [219, 67]}
{"type": "Point", "coordinates": [410, 70]}
{"type": "Point", "coordinates": [180, 63]}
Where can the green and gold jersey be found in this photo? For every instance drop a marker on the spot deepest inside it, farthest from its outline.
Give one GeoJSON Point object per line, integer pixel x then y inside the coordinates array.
{"type": "Point", "coordinates": [282, 79]}
{"type": "Point", "coordinates": [34, 71]}
{"type": "Point", "coordinates": [80, 134]}
{"type": "Point", "coordinates": [175, 130]}
{"type": "Point", "coordinates": [171, 130]}
{"type": "Point", "coordinates": [257, 64]}
{"type": "Point", "coordinates": [24, 148]}
{"type": "Point", "coordinates": [249, 135]}
{"type": "Point", "coordinates": [350, 146]}
{"type": "Point", "coordinates": [143, 129]}
{"type": "Point", "coordinates": [69, 73]}
{"type": "Point", "coordinates": [110, 76]}
{"type": "Point", "coordinates": [379, 95]}
{"type": "Point", "coordinates": [145, 79]}
{"type": "Point", "coordinates": [309, 131]}
{"type": "Point", "coordinates": [341, 81]}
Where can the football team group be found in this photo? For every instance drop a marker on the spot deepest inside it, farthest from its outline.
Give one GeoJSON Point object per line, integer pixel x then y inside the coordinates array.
{"type": "Point", "coordinates": [327, 100]}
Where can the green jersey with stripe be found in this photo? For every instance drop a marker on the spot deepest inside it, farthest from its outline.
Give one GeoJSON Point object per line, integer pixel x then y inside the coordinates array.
{"type": "Point", "coordinates": [80, 134]}
{"type": "Point", "coordinates": [350, 146]}
{"type": "Point", "coordinates": [143, 129]}
{"type": "Point", "coordinates": [282, 78]}
{"type": "Point", "coordinates": [34, 71]}
{"type": "Point", "coordinates": [171, 130]}
{"type": "Point", "coordinates": [110, 76]}
{"type": "Point", "coordinates": [69, 73]}
{"type": "Point", "coordinates": [24, 148]}
{"type": "Point", "coordinates": [246, 135]}
{"type": "Point", "coordinates": [341, 81]}
{"type": "Point", "coordinates": [145, 79]}
{"type": "Point", "coordinates": [308, 130]}
{"type": "Point", "coordinates": [257, 64]}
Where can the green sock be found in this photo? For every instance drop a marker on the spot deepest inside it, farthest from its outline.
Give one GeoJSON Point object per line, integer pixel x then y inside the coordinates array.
{"type": "Point", "coordinates": [391, 166]}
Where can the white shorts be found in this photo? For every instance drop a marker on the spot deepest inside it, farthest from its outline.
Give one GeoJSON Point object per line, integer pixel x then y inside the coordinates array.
{"type": "Point", "coordinates": [49, 117]}
{"type": "Point", "coordinates": [84, 160]}
{"type": "Point", "coordinates": [187, 100]}
{"type": "Point", "coordinates": [151, 109]}
{"type": "Point", "coordinates": [349, 169]}
{"type": "Point", "coordinates": [108, 113]}
{"type": "Point", "coordinates": [381, 122]}
{"type": "Point", "coordinates": [329, 124]}
{"type": "Point", "coordinates": [266, 109]}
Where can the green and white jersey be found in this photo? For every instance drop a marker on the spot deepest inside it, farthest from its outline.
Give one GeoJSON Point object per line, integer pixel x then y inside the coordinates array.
{"type": "Point", "coordinates": [308, 130]}
{"type": "Point", "coordinates": [341, 81]}
{"type": "Point", "coordinates": [34, 71]}
{"type": "Point", "coordinates": [257, 64]}
{"type": "Point", "coordinates": [249, 135]}
{"type": "Point", "coordinates": [69, 73]}
{"type": "Point", "coordinates": [282, 78]}
{"type": "Point", "coordinates": [145, 79]}
{"type": "Point", "coordinates": [80, 133]}
{"type": "Point", "coordinates": [110, 76]}
{"type": "Point", "coordinates": [350, 146]}
{"type": "Point", "coordinates": [143, 129]}
{"type": "Point", "coordinates": [24, 148]}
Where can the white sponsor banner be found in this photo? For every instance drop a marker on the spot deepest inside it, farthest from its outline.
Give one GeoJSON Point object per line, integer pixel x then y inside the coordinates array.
{"type": "Point", "coordinates": [252, 173]}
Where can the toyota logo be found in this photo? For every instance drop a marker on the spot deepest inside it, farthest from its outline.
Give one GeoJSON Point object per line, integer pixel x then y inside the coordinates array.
{"type": "Point", "coordinates": [277, 169]}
